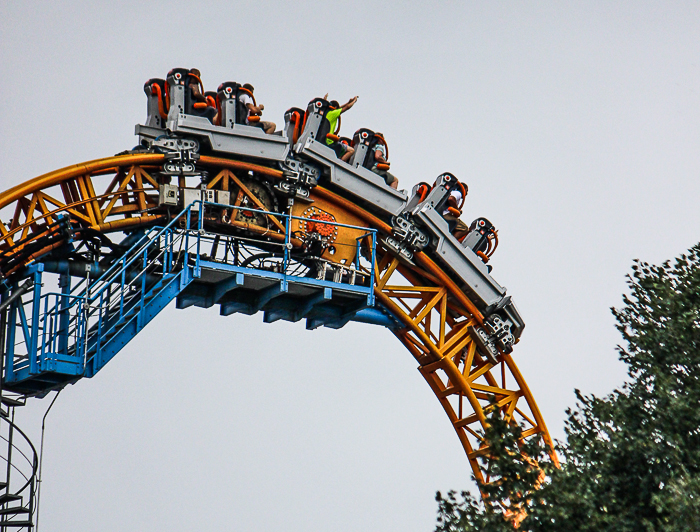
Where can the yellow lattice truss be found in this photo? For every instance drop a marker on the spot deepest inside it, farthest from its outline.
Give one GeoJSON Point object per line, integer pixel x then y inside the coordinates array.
{"type": "Point", "coordinates": [437, 334]}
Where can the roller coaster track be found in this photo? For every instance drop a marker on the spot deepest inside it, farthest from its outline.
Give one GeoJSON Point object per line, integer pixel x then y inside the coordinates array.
{"type": "Point", "coordinates": [421, 304]}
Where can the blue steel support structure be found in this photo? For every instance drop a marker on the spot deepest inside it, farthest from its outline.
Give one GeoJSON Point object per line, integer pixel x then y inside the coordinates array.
{"type": "Point", "coordinates": [73, 332]}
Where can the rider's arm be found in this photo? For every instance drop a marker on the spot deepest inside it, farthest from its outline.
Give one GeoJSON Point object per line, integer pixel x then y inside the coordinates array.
{"type": "Point", "coordinates": [348, 105]}
{"type": "Point", "coordinates": [379, 157]}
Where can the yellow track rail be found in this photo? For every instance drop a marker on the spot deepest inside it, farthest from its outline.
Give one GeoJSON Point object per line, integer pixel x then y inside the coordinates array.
{"type": "Point", "coordinates": [120, 193]}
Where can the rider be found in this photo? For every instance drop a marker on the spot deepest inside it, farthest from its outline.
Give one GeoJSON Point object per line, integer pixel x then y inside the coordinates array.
{"type": "Point", "coordinates": [343, 151]}
{"type": "Point", "coordinates": [451, 213]}
{"type": "Point", "coordinates": [193, 85]}
{"type": "Point", "coordinates": [247, 100]}
{"type": "Point", "coordinates": [198, 103]}
{"type": "Point", "coordinates": [380, 164]}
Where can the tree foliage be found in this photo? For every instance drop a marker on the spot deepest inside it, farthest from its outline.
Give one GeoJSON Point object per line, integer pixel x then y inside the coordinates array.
{"type": "Point", "coordinates": [517, 468]}
{"type": "Point", "coordinates": [631, 459]}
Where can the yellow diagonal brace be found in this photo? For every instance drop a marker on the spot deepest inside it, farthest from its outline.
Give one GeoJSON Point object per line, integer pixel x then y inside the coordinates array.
{"type": "Point", "coordinates": [431, 304]}
{"type": "Point", "coordinates": [29, 217]}
{"type": "Point", "coordinates": [259, 204]}
{"type": "Point", "coordinates": [5, 234]}
{"type": "Point", "coordinates": [486, 367]}
{"type": "Point", "coordinates": [122, 186]}
{"type": "Point", "coordinates": [44, 208]}
{"type": "Point", "coordinates": [381, 281]}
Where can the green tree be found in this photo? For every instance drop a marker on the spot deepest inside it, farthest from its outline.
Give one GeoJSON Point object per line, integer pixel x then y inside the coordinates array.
{"type": "Point", "coordinates": [679, 505]}
{"type": "Point", "coordinates": [517, 468]}
{"type": "Point", "coordinates": [631, 460]}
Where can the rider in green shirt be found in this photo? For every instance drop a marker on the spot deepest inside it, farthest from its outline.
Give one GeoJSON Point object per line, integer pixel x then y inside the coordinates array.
{"type": "Point", "coordinates": [342, 151]}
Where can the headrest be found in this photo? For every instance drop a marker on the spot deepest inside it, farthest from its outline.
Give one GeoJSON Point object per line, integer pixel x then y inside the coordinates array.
{"type": "Point", "coordinates": [449, 179]}
{"type": "Point", "coordinates": [157, 81]}
{"type": "Point", "coordinates": [318, 105]}
{"type": "Point", "coordinates": [363, 135]}
{"type": "Point", "coordinates": [229, 89]}
{"type": "Point", "coordinates": [178, 75]}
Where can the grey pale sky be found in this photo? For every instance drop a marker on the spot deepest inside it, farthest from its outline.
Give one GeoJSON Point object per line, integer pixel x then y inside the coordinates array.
{"type": "Point", "coordinates": [576, 126]}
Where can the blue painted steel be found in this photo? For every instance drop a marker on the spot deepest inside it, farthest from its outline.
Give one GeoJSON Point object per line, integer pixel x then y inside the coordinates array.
{"type": "Point", "coordinates": [35, 319]}
{"type": "Point", "coordinates": [281, 277]}
{"type": "Point", "coordinates": [312, 302]}
{"type": "Point", "coordinates": [226, 286]}
{"type": "Point", "coordinates": [96, 319]}
{"type": "Point", "coordinates": [376, 317]}
{"type": "Point", "coordinates": [10, 347]}
{"type": "Point", "coordinates": [64, 317]}
{"type": "Point", "coordinates": [132, 325]}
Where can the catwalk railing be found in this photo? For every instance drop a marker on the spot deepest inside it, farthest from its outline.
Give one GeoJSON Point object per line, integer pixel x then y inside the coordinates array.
{"type": "Point", "coordinates": [75, 332]}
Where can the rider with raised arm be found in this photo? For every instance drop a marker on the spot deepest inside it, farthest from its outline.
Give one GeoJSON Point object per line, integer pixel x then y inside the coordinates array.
{"type": "Point", "coordinates": [254, 110]}
{"type": "Point", "coordinates": [343, 151]}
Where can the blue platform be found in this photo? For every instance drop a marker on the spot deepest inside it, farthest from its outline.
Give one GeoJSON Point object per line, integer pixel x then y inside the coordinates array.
{"type": "Point", "coordinates": [55, 338]}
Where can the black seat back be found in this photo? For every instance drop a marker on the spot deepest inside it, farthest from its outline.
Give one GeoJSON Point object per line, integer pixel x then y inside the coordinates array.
{"type": "Point", "coordinates": [227, 94]}
{"type": "Point", "coordinates": [480, 232]}
{"type": "Point", "coordinates": [361, 141]}
{"type": "Point", "coordinates": [293, 124]}
{"type": "Point", "coordinates": [157, 108]}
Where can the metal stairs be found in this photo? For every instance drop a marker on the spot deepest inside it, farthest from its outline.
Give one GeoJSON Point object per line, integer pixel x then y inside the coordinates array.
{"type": "Point", "coordinates": [53, 338]}
{"type": "Point", "coordinates": [18, 470]}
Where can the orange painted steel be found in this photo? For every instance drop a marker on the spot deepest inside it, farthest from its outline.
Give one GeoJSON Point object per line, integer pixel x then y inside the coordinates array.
{"type": "Point", "coordinates": [86, 193]}
{"type": "Point", "coordinates": [53, 178]}
{"type": "Point", "coordinates": [342, 240]}
{"type": "Point", "coordinates": [436, 332]}
{"type": "Point", "coordinates": [436, 315]}
{"type": "Point", "coordinates": [375, 222]}
{"type": "Point", "coordinates": [421, 258]}
{"type": "Point", "coordinates": [238, 165]}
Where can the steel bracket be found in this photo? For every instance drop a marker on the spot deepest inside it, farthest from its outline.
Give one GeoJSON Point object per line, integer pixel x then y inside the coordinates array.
{"type": "Point", "coordinates": [298, 178]}
{"type": "Point", "coordinates": [180, 155]}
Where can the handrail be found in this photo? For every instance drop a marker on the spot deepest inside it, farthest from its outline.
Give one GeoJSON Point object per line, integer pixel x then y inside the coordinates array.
{"type": "Point", "coordinates": [284, 216]}
{"type": "Point", "coordinates": [93, 292]}
{"type": "Point", "coordinates": [147, 243]}
{"type": "Point", "coordinates": [20, 451]}
{"type": "Point", "coordinates": [152, 238]}
{"type": "Point", "coordinates": [34, 464]}
{"type": "Point", "coordinates": [77, 327]}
